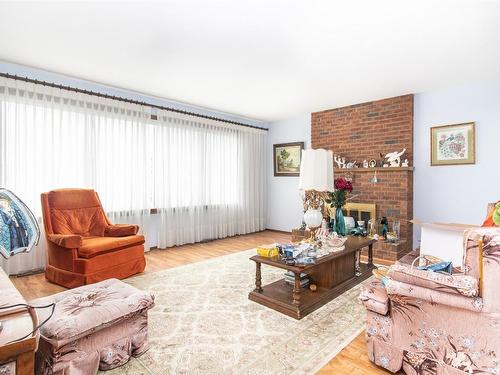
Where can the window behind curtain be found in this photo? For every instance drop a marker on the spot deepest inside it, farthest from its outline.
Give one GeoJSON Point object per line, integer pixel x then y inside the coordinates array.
{"type": "Point", "coordinates": [206, 178]}
{"type": "Point", "coordinates": [134, 163]}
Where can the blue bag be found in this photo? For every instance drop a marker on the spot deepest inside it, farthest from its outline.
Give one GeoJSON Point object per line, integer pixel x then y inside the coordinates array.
{"type": "Point", "coordinates": [444, 267]}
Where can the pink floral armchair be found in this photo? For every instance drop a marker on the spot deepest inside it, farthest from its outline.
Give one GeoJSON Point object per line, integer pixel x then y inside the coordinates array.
{"type": "Point", "coordinates": [433, 324]}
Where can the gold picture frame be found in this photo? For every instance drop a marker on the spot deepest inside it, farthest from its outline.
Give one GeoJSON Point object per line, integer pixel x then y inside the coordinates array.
{"type": "Point", "coordinates": [453, 144]}
{"type": "Point", "coordinates": [287, 158]}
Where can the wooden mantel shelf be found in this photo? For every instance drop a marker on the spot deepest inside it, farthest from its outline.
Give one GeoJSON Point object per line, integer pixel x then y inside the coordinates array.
{"type": "Point", "coordinates": [376, 169]}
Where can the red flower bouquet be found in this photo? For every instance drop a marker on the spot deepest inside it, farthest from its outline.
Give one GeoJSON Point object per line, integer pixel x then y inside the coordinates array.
{"type": "Point", "coordinates": [343, 184]}
{"type": "Point", "coordinates": [339, 196]}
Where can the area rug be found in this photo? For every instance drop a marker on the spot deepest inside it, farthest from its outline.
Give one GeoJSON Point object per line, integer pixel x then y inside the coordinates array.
{"type": "Point", "coordinates": [203, 323]}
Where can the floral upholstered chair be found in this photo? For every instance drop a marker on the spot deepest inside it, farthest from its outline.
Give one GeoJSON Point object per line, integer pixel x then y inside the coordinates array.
{"type": "Point", "coordinates": [428, 323]}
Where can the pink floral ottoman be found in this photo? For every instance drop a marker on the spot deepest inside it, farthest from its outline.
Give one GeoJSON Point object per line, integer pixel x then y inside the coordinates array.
{"type": "Point", "coordinates": [98, 326]}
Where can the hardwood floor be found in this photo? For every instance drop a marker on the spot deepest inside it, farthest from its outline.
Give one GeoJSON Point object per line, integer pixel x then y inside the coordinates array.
{"type": "Point", "coordinates": [352, 360]}
{"type": "Point", "coordinates": [34, 286]}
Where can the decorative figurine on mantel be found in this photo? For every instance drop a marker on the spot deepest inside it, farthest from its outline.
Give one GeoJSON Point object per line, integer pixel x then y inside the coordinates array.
{"type": "Point", "coordinates": [371, 228]}
{"type": "Point", "coordinates": [352, 164]}
{"type": "Point", "coordinates": [405, 163]}
{"type": "Point", "coordinates": [365, 163]}
{"type": "Point", "coordinates": [394, 158]}
{"type": "Point", "coordinates": [385, 226]}
{"type": "Point", "coordinates": [340, 161]}
{"type": "Point", "coordinates": [382, 161]}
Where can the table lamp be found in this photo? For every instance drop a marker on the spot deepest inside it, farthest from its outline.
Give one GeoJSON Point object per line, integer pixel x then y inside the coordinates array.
{"type": "Point", "coordinates": [316, 179]}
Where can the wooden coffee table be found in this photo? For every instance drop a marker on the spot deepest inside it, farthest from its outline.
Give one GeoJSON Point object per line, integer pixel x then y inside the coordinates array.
{"type": "Point", "coordinates": [333, 274]}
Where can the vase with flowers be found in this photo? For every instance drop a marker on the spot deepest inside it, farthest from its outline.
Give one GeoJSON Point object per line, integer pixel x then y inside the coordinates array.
{"type": "Point", "coordinates": [338, 199]}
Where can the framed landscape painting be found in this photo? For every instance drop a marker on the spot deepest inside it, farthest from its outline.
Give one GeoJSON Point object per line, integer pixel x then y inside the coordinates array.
{"type": "Point", "coordinates": [453, 144]}
{"type": "Point", "coordinates": [287, 157]}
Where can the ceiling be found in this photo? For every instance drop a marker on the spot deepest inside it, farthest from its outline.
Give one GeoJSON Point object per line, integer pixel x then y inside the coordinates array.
{"type": "Point", "coordinates": [264, 59]}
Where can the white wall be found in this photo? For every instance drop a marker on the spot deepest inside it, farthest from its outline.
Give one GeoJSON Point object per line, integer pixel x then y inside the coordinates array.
{"type": "Point", "coordinates": [284, 205]}
{"type": "Point", "coordinates": [457, 193]}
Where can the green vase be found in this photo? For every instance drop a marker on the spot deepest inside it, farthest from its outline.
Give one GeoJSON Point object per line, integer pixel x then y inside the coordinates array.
{"type": "Point", "coordinates": [339, 222]}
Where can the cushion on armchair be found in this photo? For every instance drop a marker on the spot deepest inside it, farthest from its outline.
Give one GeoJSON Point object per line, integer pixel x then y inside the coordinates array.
{"type": "Point", "coordinates": [69, 241]}
{"type": "Point", "coordinates": [465, 285]}
{"type": "Point", "coordinates": [85, 221]}
{"type": "Point", "coordinates": [120, 230]}
{"type": "Point", "coordinates": [93, 246]}
{"type": "Point", "coordinates": [493, 219]}
{"type": "Point", "coordinates": [374, 297]}
{"type": "Point", "coordinates": [397, 289]}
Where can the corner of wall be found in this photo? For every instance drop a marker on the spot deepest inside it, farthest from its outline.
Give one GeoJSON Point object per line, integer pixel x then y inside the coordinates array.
{"type": "Point", "coordinates": [284, 205]}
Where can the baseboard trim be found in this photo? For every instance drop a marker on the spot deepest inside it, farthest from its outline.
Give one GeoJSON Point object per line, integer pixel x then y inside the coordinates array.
{"type": "Point", "coordinates": [278, 231]}
{"type": "Point", "coordinates": [29, 272]}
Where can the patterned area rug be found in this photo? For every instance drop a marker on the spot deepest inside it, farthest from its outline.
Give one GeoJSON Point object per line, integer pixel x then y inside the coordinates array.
{"type": "Point", "coordinates": [203, 323]}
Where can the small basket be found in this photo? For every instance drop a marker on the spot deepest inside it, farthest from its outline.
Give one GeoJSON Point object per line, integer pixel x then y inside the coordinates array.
{"type": "Point", "coordinates": [381, 272]}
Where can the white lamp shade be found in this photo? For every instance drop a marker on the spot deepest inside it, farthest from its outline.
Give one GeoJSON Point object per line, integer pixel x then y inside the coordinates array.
{"type": "Point", "coordinates": [316, 170]}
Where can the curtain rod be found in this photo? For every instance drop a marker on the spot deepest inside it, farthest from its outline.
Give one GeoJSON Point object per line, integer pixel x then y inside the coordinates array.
{"type": "Point", "coordinates": [122, 99]}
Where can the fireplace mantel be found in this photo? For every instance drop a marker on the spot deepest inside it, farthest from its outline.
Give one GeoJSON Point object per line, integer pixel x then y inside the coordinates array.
{"type": "Point", "coordinates": [377, 169]}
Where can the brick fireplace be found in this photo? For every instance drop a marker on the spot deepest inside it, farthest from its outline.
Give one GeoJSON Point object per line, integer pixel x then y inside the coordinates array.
{"type": "Point", "coordinates": [363, 131]}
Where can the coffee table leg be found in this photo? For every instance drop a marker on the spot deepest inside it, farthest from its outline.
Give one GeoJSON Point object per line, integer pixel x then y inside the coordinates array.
{"type": "Point", "coordinates": [258, 280]}
{"type": "Point", "coordinates": [370, 255]}
{"type": "Point", "coordinates": [357, 267]}
{"type": "Point", "coordinates": [296, 290]}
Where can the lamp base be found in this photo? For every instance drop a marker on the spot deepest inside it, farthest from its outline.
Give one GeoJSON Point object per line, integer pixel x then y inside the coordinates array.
{"type": "Point", "coordinates": [312, 232]}
{"type": "Point", "coordinates": [313, 218]}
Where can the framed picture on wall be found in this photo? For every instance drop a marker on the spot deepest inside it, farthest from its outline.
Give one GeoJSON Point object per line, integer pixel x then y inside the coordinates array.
{"type": "Point", "coordinates": [453, 144]}
{"type": "Point", "coordinates": [287, 157]}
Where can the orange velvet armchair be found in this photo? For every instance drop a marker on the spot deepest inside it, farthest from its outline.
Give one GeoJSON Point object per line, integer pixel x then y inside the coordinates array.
{"type": "Point", "coordinates": [83, 246]}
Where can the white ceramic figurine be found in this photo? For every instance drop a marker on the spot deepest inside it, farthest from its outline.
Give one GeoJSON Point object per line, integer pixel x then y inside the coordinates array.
{"type": "Point", "coordinates": [394, 158]}
{"type": "Point", "coordinates": [340, 161]}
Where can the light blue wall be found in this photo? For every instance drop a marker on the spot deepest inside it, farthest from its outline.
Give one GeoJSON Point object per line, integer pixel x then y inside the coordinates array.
{"type": "Point", "coordinates": [453, 194]}
{"type": "Point", "coordinates": [284, 204]}
{"type": "Point", "coordinates": [24, 71]}
{"type": "Point", "coordinates": [458, 193]}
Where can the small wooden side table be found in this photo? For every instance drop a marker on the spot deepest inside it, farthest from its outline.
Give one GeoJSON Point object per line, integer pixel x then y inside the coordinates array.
{"type": "Point", "coordinates": [16, 357]}
{"type": "Point", "coordinates": [18, 354]}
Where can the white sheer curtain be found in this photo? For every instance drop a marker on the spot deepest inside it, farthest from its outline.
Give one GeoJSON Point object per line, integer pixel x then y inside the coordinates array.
{"type": "Point", "coordinates": [204, 178]}
{"type": "Point", "coordinates": [230, 170]}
